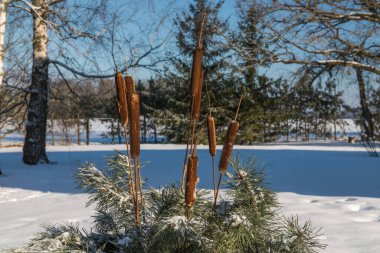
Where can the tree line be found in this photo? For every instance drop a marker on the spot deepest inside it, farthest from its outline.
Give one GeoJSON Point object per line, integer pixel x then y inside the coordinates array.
{"type": "Point", "coordinates": [328, 44]}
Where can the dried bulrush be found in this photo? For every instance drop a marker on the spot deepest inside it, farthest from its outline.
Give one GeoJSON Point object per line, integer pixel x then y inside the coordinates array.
{"type": "Point", "coordinates": [196, 70]}
{"type": "Point", "coordinates": [228, 146]}
{"type": "Point", "coordinates": [227, 149]}
{"type": "Point", "coordinates": [196, 92]}
{"type": "Point", "coordinates": [134, 130]}
{"type": "Point", "coordinates": [212, 145]}
{"type": "Point", "coordinates": [134, 135]}
{"type": "Point", "coordinates": [191, 175]}
{"type": "Point", "coordinates": [191, 180]}
{"type": "Point", "coordinates": [196, 108]}
{"type": "Point", "coordinates": [196, 83]}
{"type": "Point", "coordinates": [122, 106]}
{"type": "Point", "coordinates": [130, 85]}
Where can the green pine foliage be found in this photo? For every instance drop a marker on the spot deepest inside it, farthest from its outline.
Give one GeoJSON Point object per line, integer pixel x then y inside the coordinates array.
{"type": "Point", "coordinates": [219, 85]}
{"type": "Point", "coordinates": [246, 220]}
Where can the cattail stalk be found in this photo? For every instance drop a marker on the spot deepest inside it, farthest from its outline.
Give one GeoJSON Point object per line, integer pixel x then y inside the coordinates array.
{"type": "Point", "coordinates": [226, 153]}
{"type": "Point", "coordinates": [131, 183]}
{"type": "Point", "coordinates": [196, 108]}
{"type": "Point", "coordinates": [195, 82]}
{"type": "Point", "coordinates": [227, 149]}
{"type": "Point", "coordinates": [122, 106]}
{"type": "Point", "coordinates": [212, 145]}
{"type": "Point", "coordinates": [134, 134]}
{"type": "Point", "coordinates": [196, 92]}
{"type": "Point", "coordinates": [185, 159]}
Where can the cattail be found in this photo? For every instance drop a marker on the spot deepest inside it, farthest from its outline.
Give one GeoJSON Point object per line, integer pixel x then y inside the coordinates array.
{"type": "Point", "coordinates": [129, 83]}
{"type": "Point", "coordinates": [134, 132]}
{"type": "Point", "coordinates": [191, 181]}
{"type": "Point", "coordinates": [228, 145]}
{"type": "Point", "coordinates": [196, 70]}
{"type": "Point", "coordinates": [122, 105]}
{"type": "Point", "coordinates": [197, 99]}
{"type": "Point", "coordinates": [211, 135]}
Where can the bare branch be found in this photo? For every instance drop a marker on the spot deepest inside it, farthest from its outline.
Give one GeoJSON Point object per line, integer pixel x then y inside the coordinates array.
{"type": "Point", "coordinates": [333, 63]}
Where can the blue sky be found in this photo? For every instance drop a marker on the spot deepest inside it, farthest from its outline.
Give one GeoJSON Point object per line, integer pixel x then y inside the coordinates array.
{"type": "Point", "coordinates": [147, 10]}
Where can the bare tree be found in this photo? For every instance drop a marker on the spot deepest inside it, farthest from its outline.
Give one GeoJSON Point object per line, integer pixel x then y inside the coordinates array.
{"type": "Point", "coordinates": [337, 35]}
{"type": "Point", "coordinates": [3, 21]}
{"type": "Point", "coordinates": [72, 25]}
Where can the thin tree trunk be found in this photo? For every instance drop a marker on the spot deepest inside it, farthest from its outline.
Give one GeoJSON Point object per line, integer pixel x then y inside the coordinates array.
{"type": "Point", "coordinates": [34, 150]}
{"type": "Point", "coordinates": [87, 131]}
{"type": "Point", "coordinates": [335, 137]}
{"type": "Point", "coordinates": [287, 130]}
{"type": "Point", "coordinates": [366, 113]}
{"type": "Point", "coordinates": [145, 130]}
{"type": "Point", "coordinates": [119, 131]}
{"type": "Point", "coordinates": [155, 133]}
{"type": "Point", "coordinates": [306, 134]}
{"type": "Point", "coordinates": [296, 130]}
{"type": "Point", "coordinates": [316, 130]}
{"type": "Point", "coordinates": [67, 138]}
{"type": "Point", "coordinates": [3, 23]}
{"type": "Point", "coordinates": [52, 132]}
{"type": "Point", "coordinates": [78, 130]}
{"type": "Point", "coordinates": [112, 131]}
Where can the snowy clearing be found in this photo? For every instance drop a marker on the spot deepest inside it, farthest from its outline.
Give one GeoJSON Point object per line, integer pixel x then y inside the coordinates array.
{"type": "Point", "coordinates": [335, 185]}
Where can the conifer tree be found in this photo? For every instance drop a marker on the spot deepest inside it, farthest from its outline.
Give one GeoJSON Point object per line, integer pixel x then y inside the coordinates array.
{"type": "Point", "coordinates": [219, 87]}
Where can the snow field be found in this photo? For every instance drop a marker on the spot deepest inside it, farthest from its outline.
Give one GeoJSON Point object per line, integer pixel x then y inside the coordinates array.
{"type": "Point", "coordinates": [335, 185]}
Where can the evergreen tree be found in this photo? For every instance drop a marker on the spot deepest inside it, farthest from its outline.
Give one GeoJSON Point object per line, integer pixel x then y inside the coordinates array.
{"type": "Point", "coordinates": [261, 117]}
{"type": "Point", "coordinates": [219, 89]}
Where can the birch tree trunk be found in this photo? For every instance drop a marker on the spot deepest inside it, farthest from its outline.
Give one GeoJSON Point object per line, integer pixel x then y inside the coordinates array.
{"type": "Point", "coordinates": [34, 150]}
{"type": "Point", "coordinates": [3, 23]}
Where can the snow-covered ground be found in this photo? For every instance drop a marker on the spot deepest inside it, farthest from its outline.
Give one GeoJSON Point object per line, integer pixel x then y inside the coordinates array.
{"type": "Point", "coordinates": [334, 184]}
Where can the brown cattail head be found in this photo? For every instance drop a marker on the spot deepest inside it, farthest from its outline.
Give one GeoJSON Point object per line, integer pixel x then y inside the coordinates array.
{"type": "Point", "coordinates": [191, 181]}
{"type": "Point", "coordinates": [134, 132]}
{"type": "Point", "coordinates": [122, 105]}
{"type": "Point", "coordinates": [130, 87]}
{"type": "Point", "coordinates": [211, 135]}
{"type": "Point", "coordinates": [196, 70]}
{"type": "Point", "coordinates": [129, 83]}
{"type": "Point", "coordinates": [228, 146]}
{"type": "Point", "coordinates": [197, 99]}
